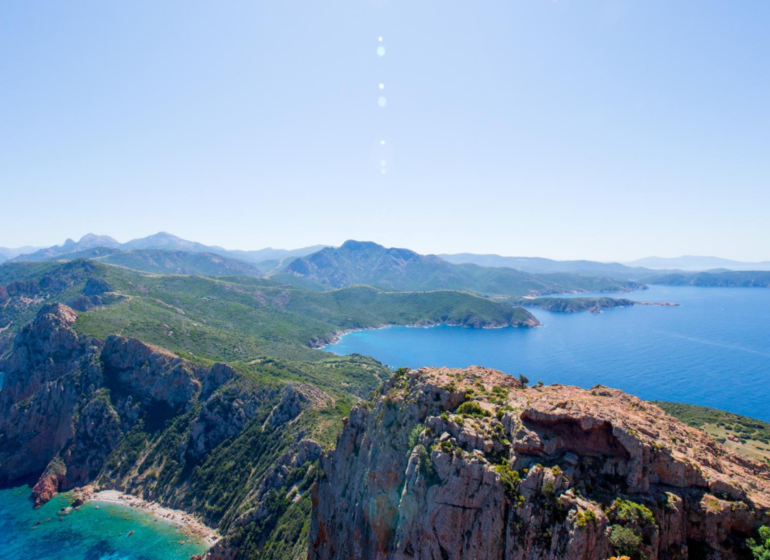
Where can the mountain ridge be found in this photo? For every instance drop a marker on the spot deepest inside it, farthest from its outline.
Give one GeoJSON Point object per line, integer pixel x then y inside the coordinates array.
{"type": "Point", "coordinates": [366, 262]}
{"type": "Point", "coordinates": [161, 241]}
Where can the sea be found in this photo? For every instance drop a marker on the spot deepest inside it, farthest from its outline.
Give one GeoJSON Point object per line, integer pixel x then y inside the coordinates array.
{"type": "Point", "coordinates": [88, 534]}
{"type": "Point", "coordinates": [713, 350]}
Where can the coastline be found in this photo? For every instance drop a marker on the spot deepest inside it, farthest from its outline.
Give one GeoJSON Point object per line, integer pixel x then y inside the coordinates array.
{"type": "Point", "coordinates": [320, 344]}
{"type": "Point", "coordinates": [185, 521]}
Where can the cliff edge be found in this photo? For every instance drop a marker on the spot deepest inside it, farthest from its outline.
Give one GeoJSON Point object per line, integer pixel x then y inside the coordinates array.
{"type": "Point", "coordinates": [471, 463]}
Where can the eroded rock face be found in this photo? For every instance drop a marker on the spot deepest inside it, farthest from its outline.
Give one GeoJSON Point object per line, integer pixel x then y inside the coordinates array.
{"type": "Point", "coordinates": [67, 402]}
{"type": "Point", "coordinates": [526, 473]}
{"type": "Point", "coordinates": [40, 392]}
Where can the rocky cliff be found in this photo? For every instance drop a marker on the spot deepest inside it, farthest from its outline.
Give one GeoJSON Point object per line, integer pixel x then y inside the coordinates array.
{"type": "Point", "coordinates": [128, 415]}
{"type": "Point", "coordinates": [473, 464]}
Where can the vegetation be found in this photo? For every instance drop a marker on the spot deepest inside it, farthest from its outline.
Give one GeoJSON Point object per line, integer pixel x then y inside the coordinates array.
{"type": "Point", "coordinates": [747, 436]}
{"type": "Point", "coordinates": [358, 262]}
{"type": "Point", "coordinates": [509, 477]}
{"type": "Point", "coordinates": [265, 330]}
{"type": "Point", "coordinates": [626, 542]}
{"type": "Point", "coordinates": [472, 409]}
{"type": "Point", "coordinates": [760, 549]}
{"type": "Point", "coordinates": [574, 305]}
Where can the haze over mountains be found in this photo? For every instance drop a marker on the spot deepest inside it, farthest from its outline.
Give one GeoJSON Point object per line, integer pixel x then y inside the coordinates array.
{"type": "Point", "coordinates": [539, 264]}
{"type": "Point", "coordinates": [159, 241]}
{"type": "Point", "coordinates": [691, 263]}
{"type": "Point", "coordinates": [360, 262]}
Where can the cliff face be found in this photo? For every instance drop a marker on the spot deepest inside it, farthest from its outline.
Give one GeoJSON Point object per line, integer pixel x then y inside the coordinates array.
{"type": "Point", "coordinates": [61, 395]}
{"type": "Point", "coordinates": [128, 415]}
{"type": "Point", "coordinates": [472, 464]}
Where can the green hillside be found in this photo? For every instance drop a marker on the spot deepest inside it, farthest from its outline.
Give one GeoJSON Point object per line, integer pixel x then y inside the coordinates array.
{"type": "Point", "coordinates": [357, 262]}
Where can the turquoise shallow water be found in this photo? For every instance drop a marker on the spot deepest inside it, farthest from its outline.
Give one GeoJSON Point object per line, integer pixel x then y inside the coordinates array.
{"type": "Point", "coordinates": [713, 350]}
{"type": "Point", "coordinates": [88, 534]}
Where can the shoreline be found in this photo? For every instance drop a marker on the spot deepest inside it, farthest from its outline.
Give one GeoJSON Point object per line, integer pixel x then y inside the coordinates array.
{"type": "Point", "coordinates": [186, 522]}
{"type": "Point", "coordinates": [337, 336]}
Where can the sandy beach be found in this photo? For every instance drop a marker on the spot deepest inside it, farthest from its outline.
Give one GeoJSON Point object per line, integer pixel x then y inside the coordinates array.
{"type": "Point", "coordinates": [185, 521]}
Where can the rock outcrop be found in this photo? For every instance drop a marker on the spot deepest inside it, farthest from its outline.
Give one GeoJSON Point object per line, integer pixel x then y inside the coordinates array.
{"type": "Point", "coordinates": [473, 464]}
{"type": "Point", "coordinates": [68, 401]}
{"type": "Point", "coordinates": [126, 415]}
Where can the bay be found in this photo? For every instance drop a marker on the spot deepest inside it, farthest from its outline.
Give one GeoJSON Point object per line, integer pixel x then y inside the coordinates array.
{"type": "Point", "coordinates": [713, 350]}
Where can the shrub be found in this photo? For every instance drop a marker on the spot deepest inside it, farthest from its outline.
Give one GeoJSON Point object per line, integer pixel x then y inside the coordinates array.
{"type": "Point", "coordinates": [626, 511]}
{"type": "Point", "coordinates": [509, 477]}
{"type": "Point", "coordinates": [761, 550]}
{"type": "Point", "coordinates": [472, 409]}
{"type": "Point", "coordinates": [414, 435]}
{"type": "Point", "coordinates": [626, 542]}
{"type": "Point", "coordinates": [585, 517]}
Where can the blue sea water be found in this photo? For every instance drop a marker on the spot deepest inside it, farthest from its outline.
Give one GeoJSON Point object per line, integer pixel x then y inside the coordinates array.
{"type": "Point", "coordinates": [712, 350]}
{"type": "Point", "coordinates": [87, 534]}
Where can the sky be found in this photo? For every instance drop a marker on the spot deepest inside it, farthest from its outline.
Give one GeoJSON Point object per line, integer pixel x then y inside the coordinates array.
{"type": "Point", "coordinates": [599, 129]}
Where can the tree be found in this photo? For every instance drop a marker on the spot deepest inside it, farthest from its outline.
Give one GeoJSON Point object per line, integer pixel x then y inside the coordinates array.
{"type": "Point", "coordinates": [626, 542]}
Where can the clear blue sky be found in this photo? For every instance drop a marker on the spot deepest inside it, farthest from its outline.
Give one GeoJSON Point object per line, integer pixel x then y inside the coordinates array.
{"type": "Point", "coordinates": [606, 129]}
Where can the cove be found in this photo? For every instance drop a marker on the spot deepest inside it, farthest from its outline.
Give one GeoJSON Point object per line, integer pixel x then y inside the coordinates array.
{"type": "Point", "coordinates": [88, 534]}
{"type": "Point", "coordinates": [713, 350]}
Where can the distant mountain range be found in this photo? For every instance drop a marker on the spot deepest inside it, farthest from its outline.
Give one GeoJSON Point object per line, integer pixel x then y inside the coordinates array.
{"type": "Point", "coordinates": [162, 261]}
{"type": "Point", "coordinates": [540, 265]}
{"type": "Point", "coordinates": [717, 279]}
{"type": "Point", "coordinates": [160, 241]}
{"type": "Point", "coordinates": [360, 262]}
{"type": "Point", "coordinates": [7, 253]}
{"type": "Point", "coordinates": [696, 264]}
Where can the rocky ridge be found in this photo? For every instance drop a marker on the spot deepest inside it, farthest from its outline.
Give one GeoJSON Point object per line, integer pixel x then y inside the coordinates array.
{"type": "Point", "coordinates": [473, 464]}
{"type": "Point", "coordinates": [123, 414]}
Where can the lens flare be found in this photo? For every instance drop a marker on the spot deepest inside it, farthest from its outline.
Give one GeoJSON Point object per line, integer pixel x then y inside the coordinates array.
{"type": "Point", "coordinates": [380, 51]}
{"type": "Point", "coordinates": [382, 102]}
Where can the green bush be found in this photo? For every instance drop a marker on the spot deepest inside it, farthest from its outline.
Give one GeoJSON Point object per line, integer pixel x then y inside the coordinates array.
{"type": "Point", "coordinates": [761, 550]}
{"type": "Point", "coordinates": [509, 477]}
{"type": "Point", "coordinates": [625, 542]}
{"type": "Point", "coordinates": [585, 517]}
{"type": "Point", "coordinates": [472, 409]}
{"type": "Point", "coordinates": [628, 512]}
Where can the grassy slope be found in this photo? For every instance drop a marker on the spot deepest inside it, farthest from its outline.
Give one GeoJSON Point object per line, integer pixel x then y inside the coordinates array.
{"type": "Point", "coordinates": [753, 435]}
{"type": "Point", "coordinates": [262, 329]}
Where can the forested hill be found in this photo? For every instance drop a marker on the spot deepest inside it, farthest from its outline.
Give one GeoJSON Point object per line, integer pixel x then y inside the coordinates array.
{"type": "Point", "coordinates": [357, 262]}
